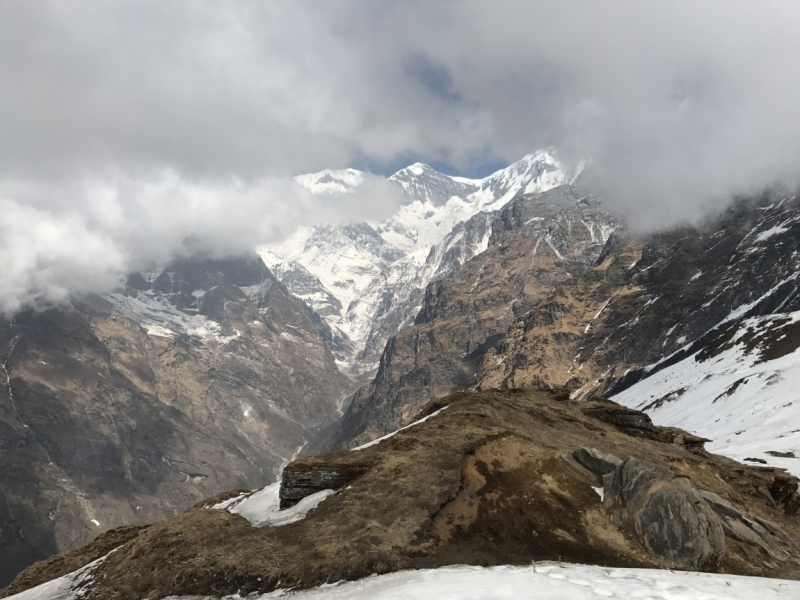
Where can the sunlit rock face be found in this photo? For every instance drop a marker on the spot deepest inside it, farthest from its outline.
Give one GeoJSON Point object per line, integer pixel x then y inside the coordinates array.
{"type": "Point", "coordinates": [536, 243]}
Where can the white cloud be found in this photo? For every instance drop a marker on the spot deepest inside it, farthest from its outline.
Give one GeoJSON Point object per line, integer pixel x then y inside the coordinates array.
{"type": "Point", "coordinates": [150, 128]}
{"type": "Point", "coordinates": [60, 240]}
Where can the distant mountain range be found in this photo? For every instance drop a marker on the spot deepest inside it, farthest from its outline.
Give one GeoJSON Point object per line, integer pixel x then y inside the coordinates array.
{"type": "Point", "coordinates": [366, 279]}
{"type": "Point", "coordinates": [207, 375]}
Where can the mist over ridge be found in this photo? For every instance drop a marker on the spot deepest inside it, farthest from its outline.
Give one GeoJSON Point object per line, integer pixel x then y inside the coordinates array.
{"type": "Point", "coordinates": [136, 132]}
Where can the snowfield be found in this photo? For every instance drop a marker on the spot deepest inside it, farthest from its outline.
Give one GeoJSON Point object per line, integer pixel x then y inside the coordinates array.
{"type": "Point", "coordinates": [548, 581]}
{"type": "Point", "coordinates": [540, 581]}
{"type": "Point", "coordinates": [746, 403]}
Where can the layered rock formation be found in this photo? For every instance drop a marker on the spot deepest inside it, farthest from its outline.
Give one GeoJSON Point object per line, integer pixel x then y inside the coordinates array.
{"type": "Point", "coordinates": [537, 243]}
{"type": "Point", "coordinates": [128, 408]}
{"type": "Point", "coordinates": [657, 301]}
{"type": "Point", "coordinates": [493, 478]}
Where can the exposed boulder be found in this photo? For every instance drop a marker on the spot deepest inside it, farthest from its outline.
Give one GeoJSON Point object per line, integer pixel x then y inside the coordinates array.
{"type": "Point", "coordinates": [668, 514]}
{"type": "Point", "coordinates": [784, 491]}
{"type": "Point", "coordinates": [576, 470]}
{"type": "Point", "coordinates": [597, 462]}
{"type": "Point", "coordinates": [744, 528]}
{"type": "Point", "coordinates": [632, 421]}
{"type": "Point", "coordinates": [304, 478]}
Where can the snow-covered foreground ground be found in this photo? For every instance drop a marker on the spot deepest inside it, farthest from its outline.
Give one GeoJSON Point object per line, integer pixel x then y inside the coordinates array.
{"type": "Point", "coordinates": [547, 581]}
{"type": "Point", "coordinates": [747, 405]}
{"type": "Point", "coordinates": [541, 581]}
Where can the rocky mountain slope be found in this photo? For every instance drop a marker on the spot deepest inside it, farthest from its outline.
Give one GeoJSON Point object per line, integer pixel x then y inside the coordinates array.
{"type": "Point", "coordinates": [124, 409]}
{"type": "Point", "coordinates": [644, 305]}
{"type": "Point", "coordinates": [536, 243]}
{"type": "Point", "coordinates": [664, 296]}
{"type": "Point", "coordinates": [210, 375]}
{"type": "Point", "coordinates": [487, 478]}
{"type": "Point", "coordinates": [657, 310]}
{"type": "Point", "coordinates": [366, 279]}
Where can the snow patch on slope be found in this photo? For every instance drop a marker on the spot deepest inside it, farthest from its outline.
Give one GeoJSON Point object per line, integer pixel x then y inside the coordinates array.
{"type": "Point", "coordinates": [392, 434]}
{"type": "Point", "coordinates": [262, 508]}
{"type": "Point", "coordinates": [161, 319]}
{"type": "Point", "coordinates": [67, 587]}
{"type": "Point", "coordinates": [746, 404]}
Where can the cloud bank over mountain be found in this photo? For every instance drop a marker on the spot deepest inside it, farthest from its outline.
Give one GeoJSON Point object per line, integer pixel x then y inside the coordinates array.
{"type": "Point", "coordinates": [134, 131]}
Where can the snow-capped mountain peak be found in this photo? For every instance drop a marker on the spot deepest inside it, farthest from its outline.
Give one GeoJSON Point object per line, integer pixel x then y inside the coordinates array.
{"type": "Point", "coordinates": [422, 183]}
{"type": "Point", "coordinates": [353, 263]}
{"type": "Point", "coordinates": [331, 181]}
{"type": "Point", "coordinates": [533, 173]}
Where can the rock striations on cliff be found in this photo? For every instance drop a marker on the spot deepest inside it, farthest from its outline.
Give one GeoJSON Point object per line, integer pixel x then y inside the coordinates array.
{"type": "Point", "coordinates": [536, 243]}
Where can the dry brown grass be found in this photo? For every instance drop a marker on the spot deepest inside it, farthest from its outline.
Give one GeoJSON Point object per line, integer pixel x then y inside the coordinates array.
{"type": "Point", "coordinates": [480, 483]}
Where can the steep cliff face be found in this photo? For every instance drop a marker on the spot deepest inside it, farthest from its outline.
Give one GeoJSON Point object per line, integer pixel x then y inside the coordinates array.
{"type": "Point", "coordinates": [392, 300]}
{"type": "Point", "coordinates": [652, 303]}
{"type": "Point", "coordinates": [125, 409]}
{"type": "Point", "coordinates": [537, 242]}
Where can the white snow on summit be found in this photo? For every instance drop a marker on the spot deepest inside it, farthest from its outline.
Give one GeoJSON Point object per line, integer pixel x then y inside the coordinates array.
{"type": "Point", "coordinates": [364, 266]}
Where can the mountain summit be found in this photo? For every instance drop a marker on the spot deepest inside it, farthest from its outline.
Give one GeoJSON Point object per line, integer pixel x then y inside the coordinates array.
{"type": "Point", "coordinates": [355, 274]}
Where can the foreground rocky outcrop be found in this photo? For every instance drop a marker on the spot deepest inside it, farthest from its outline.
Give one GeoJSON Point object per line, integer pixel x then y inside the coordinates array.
{"type": "Point", "coordinates": [129, 408]}
{"type": "Point", "coordinates": [497, 477]}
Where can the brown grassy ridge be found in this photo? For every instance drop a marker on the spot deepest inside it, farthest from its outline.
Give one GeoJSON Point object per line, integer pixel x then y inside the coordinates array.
{"type": "Point", "coordinates": [483, 483]}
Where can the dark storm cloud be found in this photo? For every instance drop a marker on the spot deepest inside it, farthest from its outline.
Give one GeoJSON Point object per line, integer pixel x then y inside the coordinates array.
{"type": "Point", "coordinates": [127, 127]}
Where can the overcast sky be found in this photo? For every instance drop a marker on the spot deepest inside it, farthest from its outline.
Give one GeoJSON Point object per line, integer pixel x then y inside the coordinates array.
{"type": "Point", "coordinates": [130, 127]}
